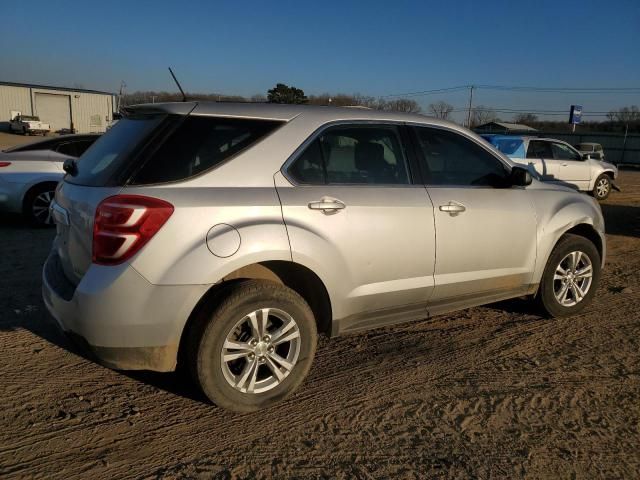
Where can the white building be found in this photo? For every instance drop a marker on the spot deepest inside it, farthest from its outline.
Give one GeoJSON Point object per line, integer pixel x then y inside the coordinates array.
{"type": "Point", "coordinates": [84, 111]}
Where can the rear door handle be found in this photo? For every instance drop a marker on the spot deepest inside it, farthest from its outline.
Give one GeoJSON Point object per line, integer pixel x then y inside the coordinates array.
{"type": "Point", "coordinates": [327, 205]}
{"type": "Point", "coordinates": [453, 208]}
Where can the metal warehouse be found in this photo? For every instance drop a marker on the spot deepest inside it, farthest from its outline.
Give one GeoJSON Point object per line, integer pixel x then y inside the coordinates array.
{"type": "Point", "coordinates": [66, 109]}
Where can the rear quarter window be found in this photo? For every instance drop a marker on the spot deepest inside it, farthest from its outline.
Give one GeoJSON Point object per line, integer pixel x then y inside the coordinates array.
{"type": "Point", "coordinates": [199, 144]}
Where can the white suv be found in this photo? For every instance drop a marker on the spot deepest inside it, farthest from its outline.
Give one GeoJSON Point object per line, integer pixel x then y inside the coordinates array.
{"type": "Point", "coordinates": [557, 161]}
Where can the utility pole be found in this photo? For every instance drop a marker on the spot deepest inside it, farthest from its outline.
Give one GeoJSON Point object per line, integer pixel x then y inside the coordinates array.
{"type": "Point", "coordinates": [624, 142]}
{"type": "Point", "coordinates": [470, 103]}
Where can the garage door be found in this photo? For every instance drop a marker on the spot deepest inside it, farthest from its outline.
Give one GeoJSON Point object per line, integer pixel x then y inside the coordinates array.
{"type": "Point", "coordinates": [54, 110]}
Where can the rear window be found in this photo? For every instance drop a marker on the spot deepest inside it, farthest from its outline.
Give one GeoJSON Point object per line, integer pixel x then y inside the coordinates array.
{"type": "Point", "coordinates": [199, 144]}
{"type": "Point", "coordinates": [585, 148]}
{"type": "Point", "coordinates": [110, 154]}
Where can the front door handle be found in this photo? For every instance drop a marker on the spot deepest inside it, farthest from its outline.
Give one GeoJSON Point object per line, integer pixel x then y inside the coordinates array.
{"type": "Point", "coordinates": [453, 208]}
{"type": "Point", "coordinates": [327, 205]}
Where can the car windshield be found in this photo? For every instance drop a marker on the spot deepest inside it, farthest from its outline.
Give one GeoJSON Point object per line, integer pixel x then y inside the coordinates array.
{"type": "Point", "coordinates": [29, 119]}
{"type": "Point", "coordinates": [585, 148]}
{"type": "Point", "coordinates": [513, 147]}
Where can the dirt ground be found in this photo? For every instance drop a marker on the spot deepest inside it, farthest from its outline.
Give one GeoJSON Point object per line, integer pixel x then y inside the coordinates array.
{"type": "Point", "coordinates": [491, 392]}
{"type": "Point", "coordinates": [11, 139]}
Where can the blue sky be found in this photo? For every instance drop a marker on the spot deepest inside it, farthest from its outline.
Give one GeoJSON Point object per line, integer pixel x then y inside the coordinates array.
{"type": "Point", "coordinates": [372, 47]}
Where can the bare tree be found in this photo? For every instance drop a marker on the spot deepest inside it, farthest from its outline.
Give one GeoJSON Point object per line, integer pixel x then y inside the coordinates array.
{"type": "Point", "coordinates": [401, 105]}
{"type": "Point", "coordinates": [624, 115]}
{"type": "Point", "coordinates": [441, 109]}
{"type": "Point", "coordinates": [258, 98]}
{"type": "Point", "coordinates": [525, 118]}
{"type": "Point", "coordinates": [481, 115]}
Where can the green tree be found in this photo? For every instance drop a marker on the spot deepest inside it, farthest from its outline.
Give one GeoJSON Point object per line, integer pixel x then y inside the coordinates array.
{"type": "Point", "coordinates": [282, 93]}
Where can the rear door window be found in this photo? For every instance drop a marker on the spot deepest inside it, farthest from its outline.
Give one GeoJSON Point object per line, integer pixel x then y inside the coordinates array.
{"type": "Point", "coordinates": [353, 154]}
{"type": "Point", "coordinates": [199, 144]}
{"type": "Point", "coordinates": [539, 149]}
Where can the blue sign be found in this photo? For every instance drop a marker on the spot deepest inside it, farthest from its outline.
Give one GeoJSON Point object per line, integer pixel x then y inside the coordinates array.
{"type": "Point", "coordinates": [575, 115]}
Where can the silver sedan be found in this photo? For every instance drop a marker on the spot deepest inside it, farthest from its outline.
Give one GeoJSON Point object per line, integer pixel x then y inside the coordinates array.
{"type": "Point", "coordinates": [29, 174]}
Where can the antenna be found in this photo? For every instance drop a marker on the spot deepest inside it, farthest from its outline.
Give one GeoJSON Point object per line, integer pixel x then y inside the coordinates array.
{"type": "Point", "coordinates": [184, 97]}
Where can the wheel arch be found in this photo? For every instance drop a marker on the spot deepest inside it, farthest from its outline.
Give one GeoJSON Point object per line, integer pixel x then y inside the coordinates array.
{"type": "Point", "coordinates": [294, 275]}
{"type": "Point", "coordinates": [35, 186]}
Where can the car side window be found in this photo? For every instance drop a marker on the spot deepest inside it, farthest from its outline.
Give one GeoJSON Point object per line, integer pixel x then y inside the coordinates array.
{"type": "Point", "coordinates": [68, 148]}
{"type": "Point", "coordinates": [309, 169]}
{"type": "Point", "coordinates": [562, 152]}
{"type": "Point", "coordinates": [539, 149]}
{"type": "Point", "coordinates": [449, 158]}
{"type": "Point", "coordinates": [353, 154]}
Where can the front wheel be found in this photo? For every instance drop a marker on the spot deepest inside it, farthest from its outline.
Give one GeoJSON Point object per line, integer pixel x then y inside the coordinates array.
{"type": "Point", "coordinates": [254, 348]}
{"type": "Point", "coordinates": [570, 278]}
{"type": "Point", "coordinates": [602, 187]}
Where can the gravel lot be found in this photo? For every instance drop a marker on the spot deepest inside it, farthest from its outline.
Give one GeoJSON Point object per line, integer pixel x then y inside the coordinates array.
{"type": "Point", "coordinates": [491, 392]}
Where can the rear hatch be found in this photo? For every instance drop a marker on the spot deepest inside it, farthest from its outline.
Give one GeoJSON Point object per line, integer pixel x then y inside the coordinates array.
{"type": "Point", "coordinates": [101, 172]}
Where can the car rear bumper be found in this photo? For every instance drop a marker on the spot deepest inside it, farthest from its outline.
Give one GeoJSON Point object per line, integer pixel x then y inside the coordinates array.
{"type": "Point", "coordinates": [126, 322]}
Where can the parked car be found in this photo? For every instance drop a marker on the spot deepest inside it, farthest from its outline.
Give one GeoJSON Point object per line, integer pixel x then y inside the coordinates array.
{"type": "Point", "coordinates": [226, 237]}
{"type": "Point", "coordinates": [557, 161]}
{"type": "Point", "coordinates": [29, 174]}
{"type": "Point", "coordinates": [593, 150]}
{"type": "Point", "coordinates": [28, 125]}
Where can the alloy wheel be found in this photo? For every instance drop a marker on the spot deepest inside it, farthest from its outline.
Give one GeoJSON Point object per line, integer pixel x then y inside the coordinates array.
{"type": "Point", "coordinates": [261, 350]}
{"type": "Point", "coordinates": [572, 279]}
{"type": "Point", "coordinates": [40, 207]}
{"type": "Point", "coordinates": [602, 187]}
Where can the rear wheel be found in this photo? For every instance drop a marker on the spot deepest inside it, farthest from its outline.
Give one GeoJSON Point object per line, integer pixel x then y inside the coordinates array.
{"type": "Point", "coordinates": [602, 187]}
{"type": "Point", "coordinates": [254, 348]}
{"type": "Point", "coordinates": [570, 278]}
{"type": "Point", "coordinates": [37, 203]}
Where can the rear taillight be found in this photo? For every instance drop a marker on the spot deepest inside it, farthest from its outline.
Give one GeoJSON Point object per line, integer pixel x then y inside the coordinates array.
{"type": "Point", "coordinates": [124, 224]}
{"type": "Point", "coordinates": [5, 164]}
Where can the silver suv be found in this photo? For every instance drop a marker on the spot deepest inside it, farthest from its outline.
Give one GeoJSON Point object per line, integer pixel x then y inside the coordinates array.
{"type": "Point", "coordinates": [226, 237]}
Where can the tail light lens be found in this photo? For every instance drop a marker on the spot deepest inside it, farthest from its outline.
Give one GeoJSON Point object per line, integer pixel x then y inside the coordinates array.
{"type": "Point", "coordinates": [5, 164]}
{"type": "Point", "coordinates": [124, 224]}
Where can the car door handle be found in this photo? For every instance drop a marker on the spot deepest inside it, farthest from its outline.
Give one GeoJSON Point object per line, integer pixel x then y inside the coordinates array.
{"type": "Point", "coordinates": [564, 164]}
{"type": "Point", "coordinates": [327, 205]}
{"type": "Point", "coordinates": [453, 208]}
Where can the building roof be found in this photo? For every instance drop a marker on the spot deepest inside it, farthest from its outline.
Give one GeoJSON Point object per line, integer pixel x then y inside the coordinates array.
{"type": "Point", "coordinates": [53, 87]}
{"type": "Point", "coordinates": [513, 127]}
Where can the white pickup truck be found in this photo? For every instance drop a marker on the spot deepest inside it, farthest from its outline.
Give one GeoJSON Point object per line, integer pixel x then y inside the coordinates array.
{"type": "Point", "coordinates": [28, 125]}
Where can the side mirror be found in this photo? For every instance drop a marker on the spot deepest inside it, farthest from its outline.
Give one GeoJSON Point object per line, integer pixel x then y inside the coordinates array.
{"type": "Point", "coordinates": [520, 177]}
{"type": "Point", "coordinates": [70, 166]}
{"type": "Point", "coordinates": [586, 156]}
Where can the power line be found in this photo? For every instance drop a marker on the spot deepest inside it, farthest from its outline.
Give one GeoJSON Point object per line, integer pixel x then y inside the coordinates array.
{"type": "Point", "coordinates": [589, 90]}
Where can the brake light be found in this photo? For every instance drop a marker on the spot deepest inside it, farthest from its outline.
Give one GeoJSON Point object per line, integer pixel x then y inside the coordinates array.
{"type": "Point", "coordinates": [5, 164]}
{"type": "Point", "coordinates": [124, 224]}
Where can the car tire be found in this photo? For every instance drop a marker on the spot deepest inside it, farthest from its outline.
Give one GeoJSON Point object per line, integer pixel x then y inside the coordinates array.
{"type": "Point", "coordinates": [602, 187]}
{"type": "Point", "coordinates": [36, 205]}
{"type": "Point", "coordinates": [567, 288]}
{"type": "Point", "coordinates": [268, 355]}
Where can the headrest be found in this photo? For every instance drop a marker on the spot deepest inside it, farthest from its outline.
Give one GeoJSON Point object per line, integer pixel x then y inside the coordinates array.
{"type": "Point", "coordinates": [368, 155]}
